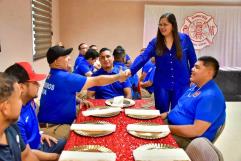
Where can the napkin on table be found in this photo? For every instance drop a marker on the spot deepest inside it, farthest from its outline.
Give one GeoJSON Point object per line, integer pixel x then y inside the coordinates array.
{"type": "Point", "coordinates": [142, 112]}
{"type": "Point", "coordinates": [98, 111]}
{"type": "Point", "coordinates": [118, 101]}
{"type": "Point", "coordinates": [177, 154]}
{"type": "Point", "coordinates": [148, 128]}
{"type": "Point", "coordinates": [86, 156]}
{"type": "Point", "coordinates": [93, 127]}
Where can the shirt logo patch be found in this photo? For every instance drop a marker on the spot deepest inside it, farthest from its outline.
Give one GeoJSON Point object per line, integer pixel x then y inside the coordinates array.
{"type": "Point", "coordinates": [196, 94]}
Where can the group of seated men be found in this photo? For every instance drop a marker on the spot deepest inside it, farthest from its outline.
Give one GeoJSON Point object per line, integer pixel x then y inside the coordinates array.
{"type": "Point", "coordinates": [90, 62]}
{"type": "Point", "coordinates": [192, 117]}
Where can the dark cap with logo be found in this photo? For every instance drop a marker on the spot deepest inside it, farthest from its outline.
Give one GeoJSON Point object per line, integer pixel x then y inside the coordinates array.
{"type": "Point", "coordinates": [57, 51]}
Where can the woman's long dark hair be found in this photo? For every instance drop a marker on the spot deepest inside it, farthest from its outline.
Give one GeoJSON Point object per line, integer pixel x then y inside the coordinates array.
{"type": "Point", "coordinates": [160, 43]}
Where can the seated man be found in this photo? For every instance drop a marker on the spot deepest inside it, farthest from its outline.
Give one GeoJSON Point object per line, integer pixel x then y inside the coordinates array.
{"type": "Point", "coordinates": [147, 84]}
{"type": "Point", "coordinates": [83, 47]}
{"type": "Point", "coordinates": [45, 147]}
{"type": "Point", "coordinates": [150, 64]}
{"type": "Point", "coordinates": [85, 66]}
{"type": "Point", "coordinates": [119, 61]}
{"type": "Point", "coordinates": [127, 59]}
{"type": "Point", "coordinates": [111, 90]}
{"type": "Point", "coordinates": [58, 100]}
{"type": "Point", "coordinates": [12, 146]}
{"type": "Point", "coordinates": [201, 110]}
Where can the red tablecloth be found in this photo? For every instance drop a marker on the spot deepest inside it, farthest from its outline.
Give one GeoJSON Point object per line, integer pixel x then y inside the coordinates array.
{"type": "Point", "coordinates": [120, 141]}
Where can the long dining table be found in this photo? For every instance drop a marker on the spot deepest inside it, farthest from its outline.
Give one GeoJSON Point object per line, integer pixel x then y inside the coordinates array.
{"type": "Point", "coordinates": [120, 141]}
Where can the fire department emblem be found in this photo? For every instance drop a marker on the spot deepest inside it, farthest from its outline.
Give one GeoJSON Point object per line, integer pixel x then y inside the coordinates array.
{"type": "Point", "coordinates": [201, 28]}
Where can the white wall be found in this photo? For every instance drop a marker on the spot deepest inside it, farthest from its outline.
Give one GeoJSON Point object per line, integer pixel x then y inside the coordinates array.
{"type": "Point", "coordinates": [15, 32]}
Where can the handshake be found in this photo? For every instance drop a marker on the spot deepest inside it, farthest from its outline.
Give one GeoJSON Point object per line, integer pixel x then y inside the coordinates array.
{"type": "Point", "coordinates": [123, 75]}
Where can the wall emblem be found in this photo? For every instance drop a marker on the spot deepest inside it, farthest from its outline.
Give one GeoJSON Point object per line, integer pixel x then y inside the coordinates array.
{"type": "Point", "coordinates": [201, 28]}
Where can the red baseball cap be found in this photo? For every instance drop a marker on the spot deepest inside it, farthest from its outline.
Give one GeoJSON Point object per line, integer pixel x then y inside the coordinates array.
{"type": "Point", "coordinates": [31, 74]}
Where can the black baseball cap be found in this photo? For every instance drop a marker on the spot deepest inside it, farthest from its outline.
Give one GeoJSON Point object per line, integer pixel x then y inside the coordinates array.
{"type": "Point", "coordinates": [57, 51]}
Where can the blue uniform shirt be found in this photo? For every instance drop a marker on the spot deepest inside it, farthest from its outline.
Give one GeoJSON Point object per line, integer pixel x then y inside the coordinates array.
{"type": "Point", "coordinates": [58, 99]}
{"type": "Point", "coordinates": [127, 57]}
{"type": "Point", "coordinates": [119, 64]}
{"type": "Point", "coordinates": [147, 66]}
{"type": "Point", "coordinates": [77, 61]}
{"type": "Point", "coordinates": [133, 79]}
{"type": "Point", "coordinates": [111, 90]}
{"type": "Point", "coordinates": [28, 125]}
{"type": "Point", "coordinates": [150, 77]}
{"type": "Point", "coordinates": [206, 104]}
{"type": "Point", "coordinates": [12, 151]}
{"type": "Point", "coordinates": [83, 67]}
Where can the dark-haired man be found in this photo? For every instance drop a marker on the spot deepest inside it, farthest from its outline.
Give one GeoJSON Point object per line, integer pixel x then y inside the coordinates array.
{"type": "Point", "coordinates": [45, 147]}
{"type": "Point", "coordinates": [111, 90]}
{"type": "Point", "coordinates": [12, 147]}
{"type": "Point", "coordinates": [85, 66]}
{"type": "Point", "coordinates": [201, 110]}
{"type": "Point", "coordinates": [119, 61]}
{"type": "Point", "coordinates": [58, 100]}
{"type": "Point", "coordinates": [83, 47]}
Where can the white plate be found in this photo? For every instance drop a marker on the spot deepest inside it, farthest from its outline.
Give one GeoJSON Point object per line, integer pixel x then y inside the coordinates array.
{"type": "Point", "coordinates": [152, 146]}
{"type": "Point", "coordinates": [127, 103]}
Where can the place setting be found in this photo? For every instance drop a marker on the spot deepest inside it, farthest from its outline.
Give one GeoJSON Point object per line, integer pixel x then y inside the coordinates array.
{"type": "Point", "coordinates": [142, 113]}
{"type": "Point", "coordinates": [88, 152]}
{"type": "Point", "coordinates": [148, 130]}
{"type": "Point", "coordinates": [159, 152]}
{"type": "Point", "coordinates": [120, 101]}
{"type": "Point", "coordinates": [93, 128]}
{"type": "Point", "coordinates": [102, 111]}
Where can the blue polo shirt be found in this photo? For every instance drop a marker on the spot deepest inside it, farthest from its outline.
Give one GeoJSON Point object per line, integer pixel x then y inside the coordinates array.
{"type": "Point", "coordinates": [133, 79]}
{"type": "Point", "coordinates": [58, 99]}
{"type": "Point", "coordinates": [119, 64]}
{"type": "Point", "coordinates": [12, 151]}
{"type": "Point", "coordinates": [127, 58]}
{"type": "Point", "coordinates": [83, 67]}
{"type": "Point", "coordinates": [206, 103]}
{"type": "Point", "coordinates": [28, 125]}
{"type": "Point", "coordinates": [111, 90]}
{"type": "Point", "coordinates": [77, 60]}
{"type": "Point", "coordinates": [171, 73]}
{"type": "Point", "coordinates": [150, 77]}
{"type": "Point", "coordinates": [147, 66]}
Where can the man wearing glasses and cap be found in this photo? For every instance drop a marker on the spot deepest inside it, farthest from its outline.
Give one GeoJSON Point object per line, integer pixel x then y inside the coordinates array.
{"type": "Point", "coordinates": [58, 100]}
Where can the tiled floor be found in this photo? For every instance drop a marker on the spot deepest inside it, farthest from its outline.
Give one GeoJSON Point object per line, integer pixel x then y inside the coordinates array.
{"type": "Point", "coordinates": [229, 143]}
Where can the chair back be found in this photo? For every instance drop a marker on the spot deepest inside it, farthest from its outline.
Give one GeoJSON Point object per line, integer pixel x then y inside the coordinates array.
{"type": "Point", "coordinates": [220, 130]}
{"type": "Point", "coordinates": [201, 149]}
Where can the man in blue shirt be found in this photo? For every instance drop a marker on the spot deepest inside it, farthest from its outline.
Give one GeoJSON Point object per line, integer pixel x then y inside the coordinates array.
{"type": "Point", "coordinates": [127, 60]}
{"type": "Point", "coordinates": [119, 61]}
{"type": "Point", "coordinates": [201, 110]}
{"type": "Point", "coordinates": [85, 66]}
{"type": "Point", "coordinates": [12, 146]}
{"type": "Point", "coordinates": [45, 147]}
{"type": "Point", "coordinates": [58, 100]}
{"type": "Point", "coordinates": [150, 64]}
{"type": "Point", "coordinates": [111, 90]}
{"type": "Point", "coordinates": [147, 84]}
{"type": "Point", "coordinates": [83, 47]}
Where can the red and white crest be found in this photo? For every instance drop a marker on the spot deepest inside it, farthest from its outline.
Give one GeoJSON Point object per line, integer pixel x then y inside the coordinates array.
{"type": "Point", "coordinates": [201, 28]}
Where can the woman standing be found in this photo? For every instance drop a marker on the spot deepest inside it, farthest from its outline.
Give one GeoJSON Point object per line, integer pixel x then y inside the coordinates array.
{"type": "Point", "coordinates": [175, 56]}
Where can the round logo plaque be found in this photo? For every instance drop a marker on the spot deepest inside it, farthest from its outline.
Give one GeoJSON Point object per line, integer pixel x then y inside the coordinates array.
{"type": "Point", "coordinates": [201, 28]}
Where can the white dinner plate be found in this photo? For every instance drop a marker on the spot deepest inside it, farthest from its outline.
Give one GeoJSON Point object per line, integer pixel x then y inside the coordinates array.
{"type": "Point", "coordinates": [127, 103]}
